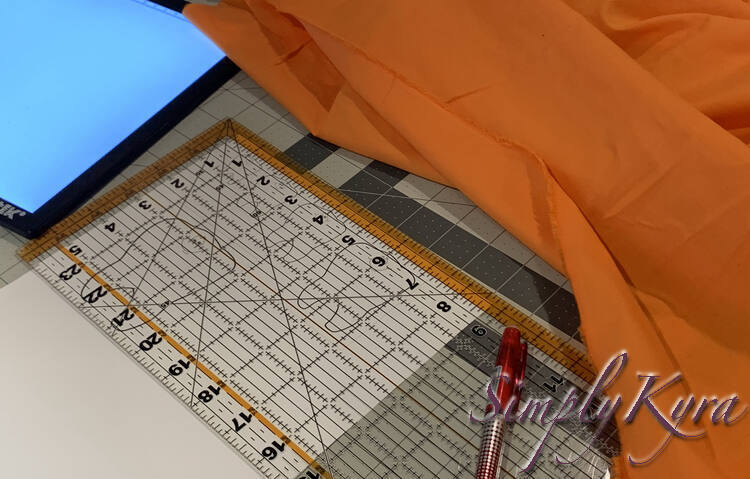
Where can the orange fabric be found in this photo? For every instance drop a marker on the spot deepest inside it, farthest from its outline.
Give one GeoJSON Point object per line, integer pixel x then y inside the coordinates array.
{"type": "Point", "coordinates": [606, 135]}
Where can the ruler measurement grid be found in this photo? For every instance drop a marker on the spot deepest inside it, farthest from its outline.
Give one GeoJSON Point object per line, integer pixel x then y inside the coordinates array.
{"type": "Point", "coordinates": [157, 225]}
{"type": "Point", "coordinates": [437, 391]}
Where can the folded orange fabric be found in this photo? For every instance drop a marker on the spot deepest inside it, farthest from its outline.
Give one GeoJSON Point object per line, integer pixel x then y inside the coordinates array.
{"type": "Point", "coordinates": [606, 135]}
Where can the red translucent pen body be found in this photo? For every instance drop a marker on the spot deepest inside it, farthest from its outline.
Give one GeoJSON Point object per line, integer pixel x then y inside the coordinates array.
{"type": "Point", "coordinates": [511, 358]}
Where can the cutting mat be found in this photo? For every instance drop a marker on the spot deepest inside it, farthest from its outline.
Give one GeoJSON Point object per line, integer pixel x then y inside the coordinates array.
{"type": "Point", "coordinates": [311, 335]}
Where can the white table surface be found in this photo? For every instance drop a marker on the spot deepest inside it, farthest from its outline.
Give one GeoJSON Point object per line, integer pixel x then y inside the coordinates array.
{"type": "Point", "coordinates": [74, 406]}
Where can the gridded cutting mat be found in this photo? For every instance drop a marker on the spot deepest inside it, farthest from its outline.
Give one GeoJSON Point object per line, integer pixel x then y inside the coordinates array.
{"type": "Point", "coordinates": [311, 335]}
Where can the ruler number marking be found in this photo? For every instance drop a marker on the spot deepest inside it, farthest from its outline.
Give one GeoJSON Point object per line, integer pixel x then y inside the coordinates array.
{"type": "Point", "coordinates": [177, 369]}
{"type": "Point", "coordinates": [125, 315]}
{"type": "Point", "coordinates": [270, 452]}
{"type": "Point", "coordinates": [241, 421]}
{"type": "Point", "coordinates": [68, 273]}
{"type": "Point", "coordinates": [151, 340]}
{"type": "Point", "coordinates": [95, 295]}
{"type": "Point", "coordinates": [208, 394]}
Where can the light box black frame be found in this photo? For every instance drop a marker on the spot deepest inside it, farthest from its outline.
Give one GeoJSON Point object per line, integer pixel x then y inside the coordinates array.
{"type": "Point", "coordinates": [31, 225]}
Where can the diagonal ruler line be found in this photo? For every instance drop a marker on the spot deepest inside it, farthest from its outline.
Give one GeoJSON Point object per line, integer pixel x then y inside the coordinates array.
{"type": "Point", "coordinates": [283, 305]}
{"type": "Point", "coordinates": [166, 234]}
{"type": "Point", "coordinates": [208, 275]}
{"type": "Point", "coordinates": [196, 304]}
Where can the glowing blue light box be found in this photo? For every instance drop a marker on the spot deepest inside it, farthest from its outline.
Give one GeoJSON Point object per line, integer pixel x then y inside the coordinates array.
{"type": "Point", "coordinates": [77, 77]}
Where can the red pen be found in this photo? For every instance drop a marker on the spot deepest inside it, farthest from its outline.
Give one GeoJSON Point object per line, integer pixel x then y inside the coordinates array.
{"type": "Point", "coordinates": [511, 357]}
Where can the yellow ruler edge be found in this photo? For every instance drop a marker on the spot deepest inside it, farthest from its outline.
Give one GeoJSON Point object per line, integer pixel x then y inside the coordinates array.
{"type": "Point", "coordinates": [122, 192]}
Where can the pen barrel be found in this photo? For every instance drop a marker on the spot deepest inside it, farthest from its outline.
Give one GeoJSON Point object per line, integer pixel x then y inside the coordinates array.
{"type": "Point", "coordinates": [491, 448]}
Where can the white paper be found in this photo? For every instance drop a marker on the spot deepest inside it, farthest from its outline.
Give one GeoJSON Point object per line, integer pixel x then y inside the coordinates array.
{"type": "Point", "coordinates": [72, 405]}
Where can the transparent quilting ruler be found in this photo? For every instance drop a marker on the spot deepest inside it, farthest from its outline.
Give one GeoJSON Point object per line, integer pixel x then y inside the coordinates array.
{"type": "Point", "coordinates": [310, 335]}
